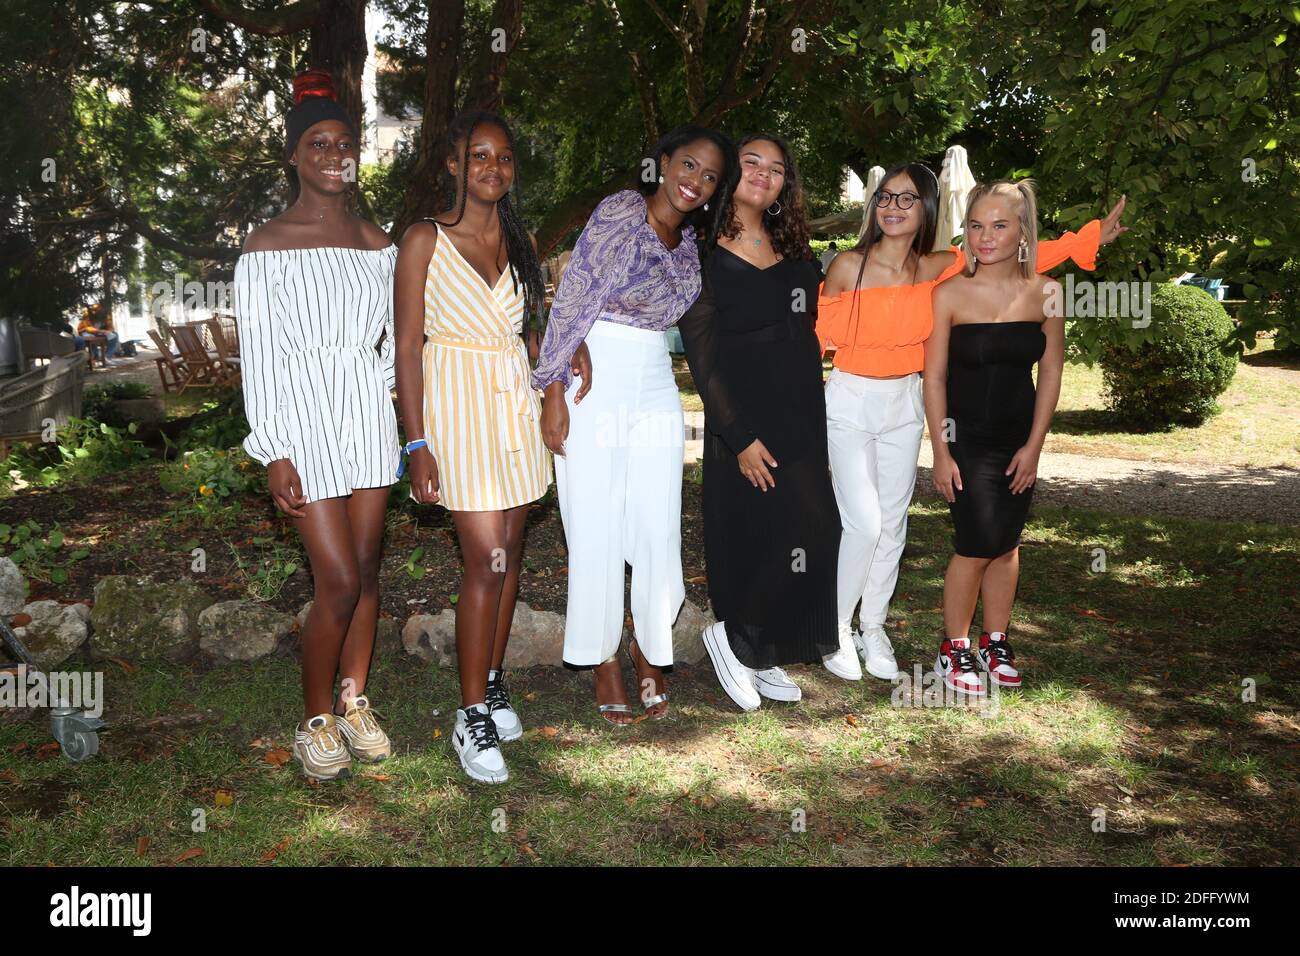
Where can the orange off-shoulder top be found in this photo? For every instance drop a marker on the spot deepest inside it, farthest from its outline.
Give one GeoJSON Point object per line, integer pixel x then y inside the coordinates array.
{"type": "Point", "coordinates": [883, 332]}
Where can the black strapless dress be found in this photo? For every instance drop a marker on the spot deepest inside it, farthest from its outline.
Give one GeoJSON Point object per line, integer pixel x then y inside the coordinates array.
{"type": "Point", "coordinates": [991, 402]}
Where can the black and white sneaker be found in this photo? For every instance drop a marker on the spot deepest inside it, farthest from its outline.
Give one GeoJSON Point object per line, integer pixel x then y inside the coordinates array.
{"type": "Point", "coordinates": [509, 726]}
{"type": "Point", "coordinates": [477, 745]}
{"type": "Point", "coordinates": [956, 665]}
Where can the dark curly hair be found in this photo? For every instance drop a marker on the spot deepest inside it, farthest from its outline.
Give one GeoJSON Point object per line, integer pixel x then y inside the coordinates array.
{"type": "Point", "coordinates": [524, 267]}
{"type": "Point", "coordinates": [789, 227]}
{"type": "Point", "coordinates": [705, 222]}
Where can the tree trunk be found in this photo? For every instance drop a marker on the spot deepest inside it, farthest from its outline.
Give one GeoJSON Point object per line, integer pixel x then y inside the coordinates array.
{"type": "Point", "coordinates": [338, 44]}
{"type": "Point", "coordinates": [442, 42]}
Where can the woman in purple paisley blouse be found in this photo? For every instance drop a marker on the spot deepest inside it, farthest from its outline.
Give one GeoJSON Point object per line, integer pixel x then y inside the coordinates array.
{"type": "Point", "coordinates": [618, 455]}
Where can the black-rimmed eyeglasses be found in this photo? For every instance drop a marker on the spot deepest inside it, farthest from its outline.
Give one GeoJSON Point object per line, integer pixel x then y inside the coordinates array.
{"type": "Point", "coordinates": [905, 200]}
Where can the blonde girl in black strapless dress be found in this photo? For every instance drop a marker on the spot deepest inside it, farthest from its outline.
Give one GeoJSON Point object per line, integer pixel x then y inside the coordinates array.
{"type": "Point", "coordinates": [987, 422]}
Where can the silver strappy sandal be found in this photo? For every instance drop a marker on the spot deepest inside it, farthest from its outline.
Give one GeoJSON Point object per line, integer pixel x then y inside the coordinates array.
{"type": "Point", "coordinates": [648, 702]}
{"type": "Point", "coordinates": [606, 709]}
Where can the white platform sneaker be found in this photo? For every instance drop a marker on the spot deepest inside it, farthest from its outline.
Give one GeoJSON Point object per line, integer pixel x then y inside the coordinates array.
{"type": "Point", "coordinates": [736, 679]}
{"type": "Point", "coordinates": [477, 745]}
{"type": "Point", "coordinates": [844, 662]}
{"type": "Point", "coordinates": [775, 684]}
{"type": "Point", "coordinates": [877, 652]}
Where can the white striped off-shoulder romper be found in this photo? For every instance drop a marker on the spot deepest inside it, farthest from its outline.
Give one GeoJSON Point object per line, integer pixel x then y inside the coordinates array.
{"type": "Point", "coordinates": [316, 346]}
{"type": "Point", "coordinates": [482, 417]}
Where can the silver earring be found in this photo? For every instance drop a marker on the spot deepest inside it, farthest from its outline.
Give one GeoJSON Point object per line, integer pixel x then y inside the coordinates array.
{"type": "Point", "coordinates": [706, 207]}
{"type": "Point", "coordinates": [1022, 254]}
{"type": "Point", "coordinates": [777, 204]}
{"type": "Point", "coordinates": [661, 178]}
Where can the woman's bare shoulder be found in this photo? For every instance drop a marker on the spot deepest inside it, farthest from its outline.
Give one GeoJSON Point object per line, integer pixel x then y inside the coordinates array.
{"type": "Point", "coordinates": [270, 236]}
{"type": "Point", "coordinates": [935, 264]}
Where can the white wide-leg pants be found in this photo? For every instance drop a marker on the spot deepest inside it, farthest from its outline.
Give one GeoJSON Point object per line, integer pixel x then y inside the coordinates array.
{"type": "Point", "coordinates": [620, 491]}
{"type": "Point", "coordinates": [874, 429]}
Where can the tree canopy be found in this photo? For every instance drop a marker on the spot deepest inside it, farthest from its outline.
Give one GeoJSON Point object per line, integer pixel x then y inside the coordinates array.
{"type": "Point", "coordinates": [162, 120]}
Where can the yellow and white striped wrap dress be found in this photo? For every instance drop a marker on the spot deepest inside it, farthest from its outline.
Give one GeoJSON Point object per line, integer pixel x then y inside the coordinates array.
{"type": "Point", "coordinates": [482, 417]}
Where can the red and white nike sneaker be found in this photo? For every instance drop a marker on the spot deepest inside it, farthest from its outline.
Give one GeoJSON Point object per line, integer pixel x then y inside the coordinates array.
{"type": "Point", "coordinates": [996, 657]}
{"type": "Point", "coordinates": [956, 665]}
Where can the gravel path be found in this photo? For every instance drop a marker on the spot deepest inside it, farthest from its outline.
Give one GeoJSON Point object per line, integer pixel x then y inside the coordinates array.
{"type": "Point", "coordinates": [1270, 495]}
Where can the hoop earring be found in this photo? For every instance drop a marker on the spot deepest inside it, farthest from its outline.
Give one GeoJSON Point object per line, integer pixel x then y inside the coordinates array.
{"type": "Point", "coordinates": [777, 204]}
{"type": "Point", "coordinates": [1022, 253]}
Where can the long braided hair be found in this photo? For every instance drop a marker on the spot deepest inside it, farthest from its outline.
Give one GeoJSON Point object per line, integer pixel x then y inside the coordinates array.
{"type": "Point", "coordinates": [522, 259]}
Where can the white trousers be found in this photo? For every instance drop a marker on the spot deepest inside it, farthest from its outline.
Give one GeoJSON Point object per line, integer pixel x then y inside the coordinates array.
{"type": "Point", "coordinates": [874, 428]}
{"type": "Point", "coordinates": [620, 491]}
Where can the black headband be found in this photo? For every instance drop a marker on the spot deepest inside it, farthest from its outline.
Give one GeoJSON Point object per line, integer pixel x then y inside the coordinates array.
{"type": "Point", "coordinates": [305, 115]}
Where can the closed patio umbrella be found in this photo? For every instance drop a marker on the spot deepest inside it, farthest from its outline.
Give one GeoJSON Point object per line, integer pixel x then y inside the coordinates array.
{"type": "Point", "coordinates": [955, 185]}
{"type": "Point", "coordinates": [874, 176]}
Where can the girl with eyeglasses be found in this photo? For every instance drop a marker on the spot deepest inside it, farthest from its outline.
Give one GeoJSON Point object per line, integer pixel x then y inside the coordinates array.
{"type": "Point", "coordinates": [875, 311]}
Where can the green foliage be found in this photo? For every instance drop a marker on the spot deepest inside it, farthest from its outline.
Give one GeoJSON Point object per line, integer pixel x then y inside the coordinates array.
{"type": "Point", "coordinates": [211, 475]}
{"type": "Point", "coordinates": [220, 425]}
{"type": "Point", "coordinates": [264, 578]}
{"type": "Point", "coordinates": [1175, 377]}
{"type": "Point", "coordinates": [97, 401]}
{"type": "Point", "coordinates": [1192, 110]}
{"type": "Point", "coordinates": [42, 557]}
{"type": "Point", "coordinates": [413, 567]}
{"type": "Point", "coordinates": [83, 451]}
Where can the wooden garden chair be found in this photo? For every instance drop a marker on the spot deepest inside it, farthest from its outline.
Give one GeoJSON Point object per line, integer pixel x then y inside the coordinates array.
{"type": "Point", "coordinates": [199, 367]}
{"type": "Point", "coordinates": [168, 362]}
{"type": "Point", "coordinates": [227, 357]}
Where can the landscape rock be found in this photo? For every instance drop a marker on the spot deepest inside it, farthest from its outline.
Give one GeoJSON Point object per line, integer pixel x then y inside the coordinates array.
{"type": "Point", "coordinates": [144, 619]}
{"type": "Point", "coordinates": [242, 630]}
{"type": "Point", "coordinates": [536, 637]}
{"type": "Point", "coordinates": [54, 632]}
{"type": "Point", "coordinates": [688, 645]}
{"type": "Point", "coordinates": [13, 589]}
{"type": "Point", "coordinates": [431, 637]}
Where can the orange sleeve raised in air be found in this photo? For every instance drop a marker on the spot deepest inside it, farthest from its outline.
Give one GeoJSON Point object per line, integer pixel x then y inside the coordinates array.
{"type": "Point", "coordinates": [1080, 246]}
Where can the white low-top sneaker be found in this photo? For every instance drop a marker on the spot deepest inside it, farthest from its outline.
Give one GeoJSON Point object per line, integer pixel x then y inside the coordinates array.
{"type": "Point", "coordinates": [844, 662]}
{"type": "Point", "coordinates": [476, 744]}
{"type": "Point", "coordinates": [877, 653]}
{"type": "Point", "coordinates": [509, 726]}
{"type": "Point", "coordinates": [736, 679]}
{"type": "Point", "coordinates": [775, 684]}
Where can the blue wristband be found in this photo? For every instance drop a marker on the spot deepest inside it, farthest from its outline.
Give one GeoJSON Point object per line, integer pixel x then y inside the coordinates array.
{"type": "Point", "coordinates": [406, 450]}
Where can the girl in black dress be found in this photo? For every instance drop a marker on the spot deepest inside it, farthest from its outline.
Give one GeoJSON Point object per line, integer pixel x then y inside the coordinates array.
{"type": "Point", "coordinates": [987, 423]}
{"type": "Point", "coordinates": [771, 525]}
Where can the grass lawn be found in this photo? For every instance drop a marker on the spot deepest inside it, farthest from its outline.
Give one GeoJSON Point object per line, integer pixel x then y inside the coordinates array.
{"type": "Point", "coordinates": [1259, 424]}
{"type": "Point", "coordinates": [1133, 707]}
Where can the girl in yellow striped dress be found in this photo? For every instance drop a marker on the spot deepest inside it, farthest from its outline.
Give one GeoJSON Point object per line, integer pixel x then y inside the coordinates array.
{"type": "Point", "coordinates": [465, 284]}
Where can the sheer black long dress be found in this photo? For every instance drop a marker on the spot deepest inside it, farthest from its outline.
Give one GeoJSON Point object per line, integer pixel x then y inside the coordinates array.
{"type": "Point", "coordinates": [991, 402]}
{"type": "Point", "coordinates": [771, 556]}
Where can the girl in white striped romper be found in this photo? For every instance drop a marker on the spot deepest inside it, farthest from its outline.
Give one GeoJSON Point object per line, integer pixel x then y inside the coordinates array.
{"type": "Point", "coordinates": [313, 300]}
{"type": "Point", "coordinates": [464, 284]}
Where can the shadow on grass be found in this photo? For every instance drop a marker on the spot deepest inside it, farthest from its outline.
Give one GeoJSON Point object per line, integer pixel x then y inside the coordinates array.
{"type": "Point", "coordinates": [1273, 358]}
{"type": "Point", "coordinates": [1133, 707]}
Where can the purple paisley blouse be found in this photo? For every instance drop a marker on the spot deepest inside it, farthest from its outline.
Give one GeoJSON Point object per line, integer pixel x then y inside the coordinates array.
{"type": "Point", "coordinates": [621, 272]}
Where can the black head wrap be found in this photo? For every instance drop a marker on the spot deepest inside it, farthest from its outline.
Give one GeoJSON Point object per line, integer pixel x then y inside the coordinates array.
{"type": "Point", "coordinates": [313, 94]}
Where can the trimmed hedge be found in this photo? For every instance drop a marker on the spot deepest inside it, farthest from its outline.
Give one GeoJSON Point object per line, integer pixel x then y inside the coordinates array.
{"type": "Point", "coordinates": [1176, 377]}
